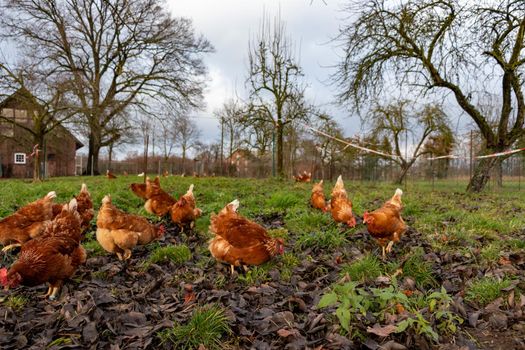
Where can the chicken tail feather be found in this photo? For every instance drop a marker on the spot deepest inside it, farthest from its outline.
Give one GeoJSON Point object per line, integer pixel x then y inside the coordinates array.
{"type": "Point", "coordinates": [51, 195]}
{"type": "Point", "coordinates": [106, 199]}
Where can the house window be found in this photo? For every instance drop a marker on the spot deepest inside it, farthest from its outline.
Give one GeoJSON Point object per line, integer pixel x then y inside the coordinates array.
{"type": "Point", "coordinates": [20, 158]}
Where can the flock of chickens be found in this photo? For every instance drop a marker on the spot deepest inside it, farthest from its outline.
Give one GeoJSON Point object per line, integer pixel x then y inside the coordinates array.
{"type": "Point", "coordinates": [384, 224]}
{"type": "Point", "coordinates": [50, 234]}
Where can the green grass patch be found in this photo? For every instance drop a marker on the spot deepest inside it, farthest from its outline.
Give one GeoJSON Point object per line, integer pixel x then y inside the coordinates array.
{"type": "Point", "coordinates": [366, 269]}
{"type": "Point", "coordinates": [289, 262]}
{"type": "Point", "coordinates": [282, 200]}
{"type": "Point", "coordinates": [419, 269]}
{"type": "Point", "coordinates": [328, 239]}
{"type": "Point", "coordinates": [207, 326]}
{"type": "Point", "coordinates": [256, 274]}
{"type": "Point", "coordinates": [484, 290]}
{"type": "Point", "coordinates": [93, 248]}
{"type": "Point", "coordinates": [16, 302]}
{"type": "Point", "coordinates": [177, 254]}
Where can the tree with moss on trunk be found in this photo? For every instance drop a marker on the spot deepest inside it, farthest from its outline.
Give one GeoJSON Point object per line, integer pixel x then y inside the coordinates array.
{"type": "Point", "coordinates": [400, 121]}
{"type": "Point", "coordinates": [441, 47]}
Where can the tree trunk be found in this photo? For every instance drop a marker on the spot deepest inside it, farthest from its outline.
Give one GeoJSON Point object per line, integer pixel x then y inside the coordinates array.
{"type": "Point", "coordinates": [110, 156]}
{"type": "Point", "coordinates": [37, 140]}
{"type": "Point", "coordinates": [280, 168]}
{"type": "Point", "coordinates": [183, 159]}
{"type": "Point", "coordinates": [402, 175]}
{"type": "Point", "coordinates": [499, 171]}
{"type": "Point", "coordinates": [481, 175]}
{"type": "Point", "coordinates": [94, 151]}
{"type": "Point", "coordinates": [222, 147]}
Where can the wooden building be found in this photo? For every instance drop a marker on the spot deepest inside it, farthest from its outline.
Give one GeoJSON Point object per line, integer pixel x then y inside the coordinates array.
{"type": "Point", "coordinates": [57, 155]}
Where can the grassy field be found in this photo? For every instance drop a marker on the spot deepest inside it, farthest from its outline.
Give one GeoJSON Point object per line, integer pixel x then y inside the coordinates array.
{"type": "Point", "coordinates": [462, 258]}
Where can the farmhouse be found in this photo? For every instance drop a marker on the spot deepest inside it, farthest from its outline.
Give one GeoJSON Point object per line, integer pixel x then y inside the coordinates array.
{"type": "Point", "coordinates": [57, 155]}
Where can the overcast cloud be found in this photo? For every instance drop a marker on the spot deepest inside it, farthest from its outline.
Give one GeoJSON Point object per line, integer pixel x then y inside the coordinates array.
{"type": "Point", "coordinates": [229, 24]}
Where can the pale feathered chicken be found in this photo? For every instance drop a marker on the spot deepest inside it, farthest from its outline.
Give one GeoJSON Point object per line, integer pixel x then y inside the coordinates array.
{"type": "Point", "coordinates": [119, 232]}
{"type": "Point", "coordinates": [340, 204]}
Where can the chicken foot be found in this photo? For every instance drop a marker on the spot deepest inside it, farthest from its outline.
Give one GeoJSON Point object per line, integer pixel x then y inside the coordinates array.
{"type": "Point", "coordinates": [11, 246]}
{"type": "Point", "coordinates": [48, 293]}
{"type": "Point", "coordinates": [389, 246]}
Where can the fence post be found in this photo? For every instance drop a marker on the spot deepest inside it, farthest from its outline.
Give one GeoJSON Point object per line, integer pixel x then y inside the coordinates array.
{"type": "Point", "coordinates": [92, 157]}
{"type": "Point", "coordinates": [470, 160]}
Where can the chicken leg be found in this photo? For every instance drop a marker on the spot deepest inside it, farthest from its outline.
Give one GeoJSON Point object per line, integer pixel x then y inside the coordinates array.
{"type": "Point", "coordinates": [11, 246]}
{"type": "Point", "coordinates": [127, 254]}
{"type": "Point", "coordinates": [48, 293]}
{"type": "Point", "coordinates": [54, 293]}
{"type": "Point", "coordinates": [389, 246]}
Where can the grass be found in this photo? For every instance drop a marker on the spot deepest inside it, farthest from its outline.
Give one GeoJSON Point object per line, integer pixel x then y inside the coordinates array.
{"type": "Point", "coordinates": [16, 302]}
{"type": "Point", "coordinates": [486, 289]}
{"type": "Point", "coordinates": [177, 254]}
{"type": "Point", "coordinates": [93, 248]}
{"type": "Point", "coordinates": [207, 326]}
{"type": "Point", "coordinates": [366, 269]}
{"type": "Point", "coordinates": [328, 239]}
{"type": "Point", "coordinates": [419, 269]}
{"type": "Point", "coordinates": [476, 229]}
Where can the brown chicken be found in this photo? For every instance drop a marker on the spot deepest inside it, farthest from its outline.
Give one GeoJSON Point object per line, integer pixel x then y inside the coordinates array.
{"type": "Point", "coordinates": [139, 190]}
{"type": "Point", "coordinates": [165, 173]}
{"type": "Point", "coordinates": [317, 200]}
{"type": "Point", "coordinates": [51, 258]}
{"type": "Point", "coordinates": [304, 177]}
{"type": "Point", "coordinates": [84, 208]}
{"type": "Point", "coordinates": [184, 211]}
{"type": "Point", "coordinates": [386, 224]}
{"type": "Point", "coordinates": [239, 241]}
{"type": "Point", "coordinates": [26, 223]}
{"type": "Point", "coordinates": [158, 202]}
{"type": "Point", "coordinates": [340, 205]}
{"type": "Point", "coordinates": [110, 175]}
{"type": "Point", "coordinates": [119, 232]}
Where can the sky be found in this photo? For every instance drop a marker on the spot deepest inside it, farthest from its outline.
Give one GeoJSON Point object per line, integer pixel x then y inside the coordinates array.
{"type": "Point", "coordinates": [229, 25]}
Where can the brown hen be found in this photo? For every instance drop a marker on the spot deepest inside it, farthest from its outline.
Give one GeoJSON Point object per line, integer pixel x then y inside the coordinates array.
{"type": "Point", "coordinates": [386, 224]}
{"type": "Point", "coordinates": [119, 232]}
{"type": "Point", "coordinates": [184, 212]}
{"type": "Point", "coordinates": [239, 241]}
{"type": "Point", "coordinates": [158, 202]}
{"type": "Point", "coordinates": [51, 258]}
{"type": "Point", "coordinates": [317, 200]}
{"type": "Point", "coordinates": [27, 222]}
{"type": "Point", "coordinates": [340, 205]}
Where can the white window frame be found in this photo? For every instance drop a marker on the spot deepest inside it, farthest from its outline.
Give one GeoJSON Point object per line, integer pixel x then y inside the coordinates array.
{"type": "Point", "coordinates": [23, 161]}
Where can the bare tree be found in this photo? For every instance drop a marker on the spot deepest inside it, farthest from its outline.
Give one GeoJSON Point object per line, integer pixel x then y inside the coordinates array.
{"type": "Point", "coordinates": [113, 52]}
{"type": "Point", "coordinates": [187, 136]}
{"type": "Point", "coordinates": [397, 122]}
{"type": "Point", "coordinates": [441, 46]}
{"type": "Point", "coordinates": [274, 77]}
{"type": "Point", "coordinates": [231, 117]}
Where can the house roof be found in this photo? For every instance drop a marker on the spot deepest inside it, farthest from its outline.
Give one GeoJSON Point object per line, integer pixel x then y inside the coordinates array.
{"type": "Point", "coordinates": [24, 93]}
